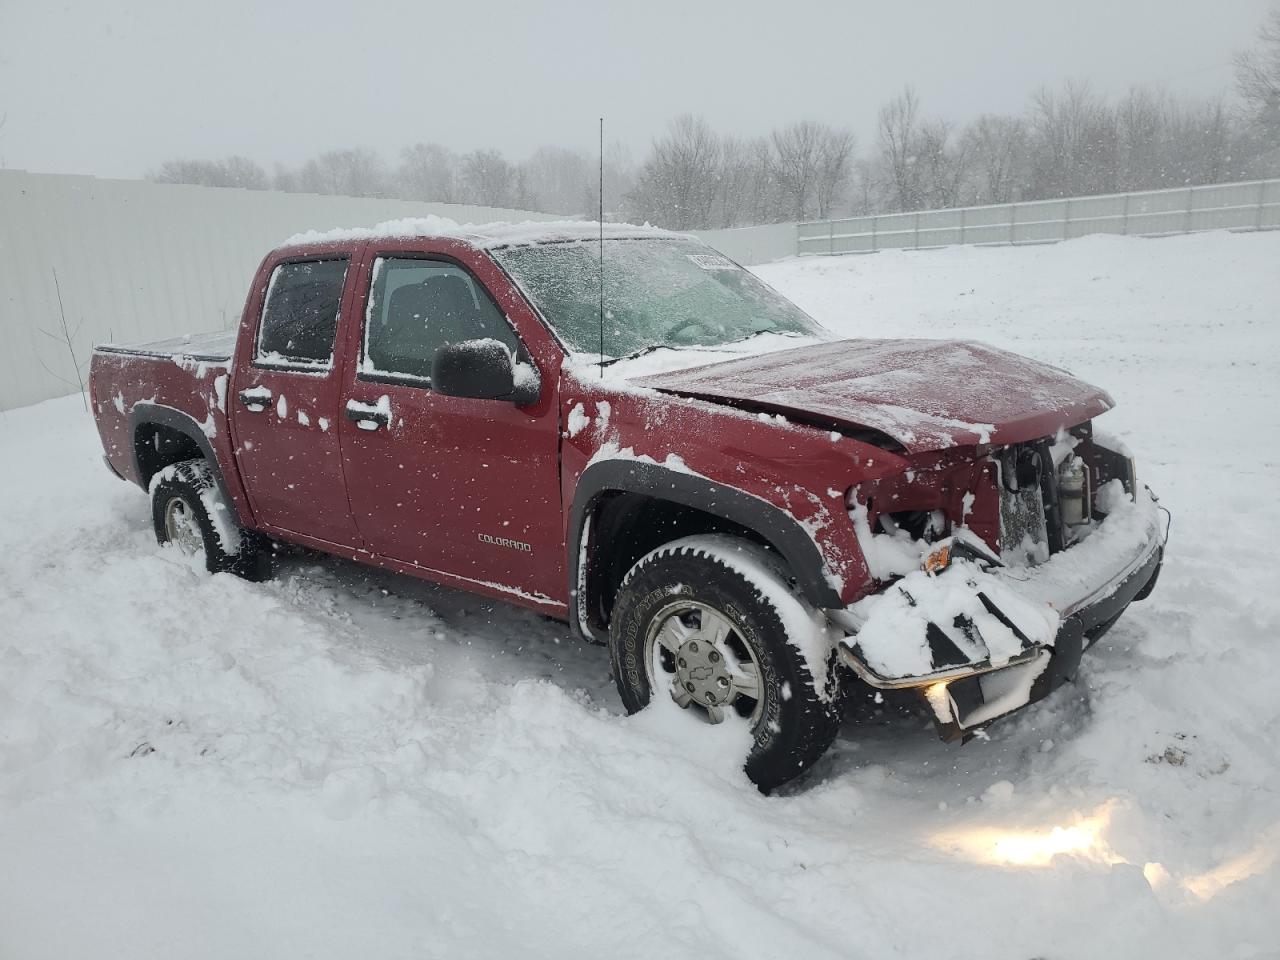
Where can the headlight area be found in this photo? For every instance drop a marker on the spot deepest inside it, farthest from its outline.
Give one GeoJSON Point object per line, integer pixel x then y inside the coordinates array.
{"type": "Point", "coordinates": [943, 625]}
{"type": "Point", "coordinates": [898, 519]}
{"type": "Point", "coordinates": [995, 568]}
{"type": "Point", "coordinates": [956, 634]}
{"type": "Point", "coordinates": [1019, 503]}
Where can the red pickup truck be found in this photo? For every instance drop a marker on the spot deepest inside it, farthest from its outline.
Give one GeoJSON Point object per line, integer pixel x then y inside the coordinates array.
{"type": "Point", "coordinates": [629, 432]}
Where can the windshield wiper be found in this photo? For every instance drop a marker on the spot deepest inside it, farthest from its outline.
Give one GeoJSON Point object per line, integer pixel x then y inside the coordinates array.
{"type": "Point", "coordinates": [761, 333]}
{"type": "Point", "coordinates": [704, 347]}
{"type": "Point", "coordinates": [639, 353]}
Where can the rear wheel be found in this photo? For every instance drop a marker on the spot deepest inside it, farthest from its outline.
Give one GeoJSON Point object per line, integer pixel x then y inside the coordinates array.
{"type": "Point", "coordinates": [189, 512]}
{"type": "Point", "coordinates": [710, 622]}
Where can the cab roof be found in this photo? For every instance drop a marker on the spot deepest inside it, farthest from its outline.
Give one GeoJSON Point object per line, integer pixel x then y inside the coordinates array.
{"type": "Point", "coordinates": [485, 235]}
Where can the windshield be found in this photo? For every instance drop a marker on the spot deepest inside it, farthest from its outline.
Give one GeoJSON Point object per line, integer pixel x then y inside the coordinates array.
{"type": "Point", "coordinates": [657, 293]}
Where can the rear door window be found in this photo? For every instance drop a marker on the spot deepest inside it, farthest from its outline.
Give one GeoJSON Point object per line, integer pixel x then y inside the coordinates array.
{"type": "Point", "coordinates": [300, 314]}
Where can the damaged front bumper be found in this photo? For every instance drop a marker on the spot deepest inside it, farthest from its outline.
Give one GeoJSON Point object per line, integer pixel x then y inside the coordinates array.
{"type": "Point", "coordinates": [980, 641]}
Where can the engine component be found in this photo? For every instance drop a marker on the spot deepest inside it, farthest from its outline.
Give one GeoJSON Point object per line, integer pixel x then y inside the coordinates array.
{"type": "Point", "coordinates": [1074, 495]}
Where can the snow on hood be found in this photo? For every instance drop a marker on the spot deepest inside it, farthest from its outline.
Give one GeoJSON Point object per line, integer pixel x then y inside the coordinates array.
{"type": "Point", "coordinates": [664, 361]}
{"type": "Point", "coordinates": [925, 394]}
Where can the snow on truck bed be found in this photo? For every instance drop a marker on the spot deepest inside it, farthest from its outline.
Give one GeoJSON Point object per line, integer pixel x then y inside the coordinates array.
{"type": "Point", "coordinates": [208, 347]}
{"type": "Point", "coordinates": [348, 763]}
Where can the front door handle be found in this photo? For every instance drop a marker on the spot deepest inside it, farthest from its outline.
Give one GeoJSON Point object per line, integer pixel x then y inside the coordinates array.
{"type": "Point", "coordinates": [368, 416]}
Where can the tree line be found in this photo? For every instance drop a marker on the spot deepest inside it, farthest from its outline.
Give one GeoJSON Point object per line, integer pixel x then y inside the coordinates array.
{"type": "Point", "coordinates": [553, 179]}
{"type": "Point", "coordinates": [1068, 141]}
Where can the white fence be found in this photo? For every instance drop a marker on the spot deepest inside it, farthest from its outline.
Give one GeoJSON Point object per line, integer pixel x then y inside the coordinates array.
{"type": "Point", "coordinates": [137, 260]}
{"type": "Point", "coordinates": [1254, 205]}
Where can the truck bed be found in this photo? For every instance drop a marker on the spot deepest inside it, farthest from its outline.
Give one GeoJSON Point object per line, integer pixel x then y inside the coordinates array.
{"type": "Point", "coordinates": [183, 383]}
{"type": "Point", "coordinates": [207, 347]}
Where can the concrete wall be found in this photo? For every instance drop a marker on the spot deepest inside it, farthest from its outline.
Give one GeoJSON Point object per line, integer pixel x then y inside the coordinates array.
{"type": "Point", "coordinates": [749, 245]}
{"type": "Point", "coordinates": [137, 260]}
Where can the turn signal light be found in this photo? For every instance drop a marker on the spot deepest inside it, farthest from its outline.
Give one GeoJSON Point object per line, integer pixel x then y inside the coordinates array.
{"type": "Point", "coordinates": [939, 559]}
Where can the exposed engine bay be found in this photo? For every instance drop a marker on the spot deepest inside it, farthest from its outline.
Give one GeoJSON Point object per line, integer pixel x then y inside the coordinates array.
{"type": "Point", "coordinates": [1024, 557]}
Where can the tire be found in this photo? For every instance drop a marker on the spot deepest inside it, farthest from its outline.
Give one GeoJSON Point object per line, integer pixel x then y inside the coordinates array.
{"type": "Point", "coordinates": [661, 639]}
{"type": "Point", "coordinates": [189, 511]}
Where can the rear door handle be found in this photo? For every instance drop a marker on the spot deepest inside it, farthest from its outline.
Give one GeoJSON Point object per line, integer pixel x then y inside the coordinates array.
{"type": "Point", "coordinates": [255, 398]}
{"type": "Point", "coordinates": [366, 416]}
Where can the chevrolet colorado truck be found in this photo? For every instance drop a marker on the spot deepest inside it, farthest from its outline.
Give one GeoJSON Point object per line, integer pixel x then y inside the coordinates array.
{"type": "Point", "coordinates": [621, 428]}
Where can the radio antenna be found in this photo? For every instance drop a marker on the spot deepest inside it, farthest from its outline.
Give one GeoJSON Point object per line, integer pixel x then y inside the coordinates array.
{"type": "Point", "coordinates": [601, 222]}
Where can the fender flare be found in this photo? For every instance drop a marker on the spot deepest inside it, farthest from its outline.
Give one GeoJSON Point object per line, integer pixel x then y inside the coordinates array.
{"type": "Point", "coordinates": [775, 526]}
{"type": "Point", "coordinates": [146, 413]}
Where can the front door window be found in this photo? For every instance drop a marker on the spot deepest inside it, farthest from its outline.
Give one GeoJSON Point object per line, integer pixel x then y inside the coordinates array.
{"type": "Point", "coordinates": [418, 306]}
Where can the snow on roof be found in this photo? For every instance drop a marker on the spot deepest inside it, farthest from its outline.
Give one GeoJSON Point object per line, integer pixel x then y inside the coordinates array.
{"type": "Point", "coordinates": [485, 235]}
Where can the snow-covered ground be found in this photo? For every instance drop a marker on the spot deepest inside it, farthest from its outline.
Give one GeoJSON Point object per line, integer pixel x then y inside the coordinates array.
{"type": "Point", "coordinates": [349, 763]}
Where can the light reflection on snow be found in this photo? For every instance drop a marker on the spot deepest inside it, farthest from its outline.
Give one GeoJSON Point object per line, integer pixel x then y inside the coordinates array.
{"type": "Point", "coordinates": [1084, 839]}
{"type": "Point", "coordinates": [1260, 857]}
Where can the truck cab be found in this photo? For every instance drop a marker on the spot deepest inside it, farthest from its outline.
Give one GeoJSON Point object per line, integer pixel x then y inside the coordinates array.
{"type": "Point", "coordinates": [343, 443]}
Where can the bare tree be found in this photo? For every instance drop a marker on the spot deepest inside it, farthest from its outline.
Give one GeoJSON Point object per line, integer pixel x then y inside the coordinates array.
{"type": "Point", "coordinates": [764, 203]}
{"type": "Point", "coordinates": [738, 180]}
{"type": "Point", "coordinates": [349, 173]}
{"type": "Point", "coordinates": [1070, 142]}
{"type": "Point", "coordinates": [833, 168]}
{"type": "Point", "coordinates": [899, 143]}
{"type": "Point", "coordinates": [619, 181]}
{"type": "Point", "coordinates": [66, 337]}
{"type": "Point", "coordinates": [488, 179]}
{"type": "Point", "coordinates": [796, 152]}
{"type": "Point", "coordinates": [940, 165]}
{"type": "Point", "coordinates": [233, 171]}
{"type": "Point", "coordinates": [1143, 158]}
{"type": "Point", "coordinates": [243, 172]}
{"type": "Point", "coordinates": [1202, 146]}
{"type": "Point", "coordinates": [559, 179]}
{"type": "Point", "coordinates": [834, 161]}
{"type": "Point", "coordinates": [1074, 149]}
{"type": "Point", "coordinates": [864, 199]}
{"type": "Point", "coordinates": [1258, 83]}
{"type": "Point", "coordinates": [997, 150]}
{"type": "Point", "coordinates": [1258, 73]}
{"type": "Point", "coordinates": [619, 176]}
{"type": "Point", "coordinates": [285, 179]}
{"type": "Point", "coordinates": [921, 164]}
{"type": "Point", "coordinates": [677, 184]}
{"type": "Point", "coordinates": [522, 197]}
{"type": "Point", "coordinates": [427, 171]}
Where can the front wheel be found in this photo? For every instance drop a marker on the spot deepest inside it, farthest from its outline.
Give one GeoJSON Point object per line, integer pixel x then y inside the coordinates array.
{"type": "Point", "coordinates": [711, 622]}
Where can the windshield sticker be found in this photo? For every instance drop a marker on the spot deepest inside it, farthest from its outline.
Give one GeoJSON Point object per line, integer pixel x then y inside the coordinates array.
{"type": "Point", "coordinates": [712, 261]}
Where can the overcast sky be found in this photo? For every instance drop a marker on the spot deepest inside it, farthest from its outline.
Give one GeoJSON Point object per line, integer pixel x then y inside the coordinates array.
{"type": "Point", "coordinates": [114, 88]}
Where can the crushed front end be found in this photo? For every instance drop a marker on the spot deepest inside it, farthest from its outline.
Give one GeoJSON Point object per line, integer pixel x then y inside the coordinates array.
{"type": "Point", "coordinates": [996, 568]}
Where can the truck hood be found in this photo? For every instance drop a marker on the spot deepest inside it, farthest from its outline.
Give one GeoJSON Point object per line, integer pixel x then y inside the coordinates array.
{"type": "Point", "coordinates": [924, 394]}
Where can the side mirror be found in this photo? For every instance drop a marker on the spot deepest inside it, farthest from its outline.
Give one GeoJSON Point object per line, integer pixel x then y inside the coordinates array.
{"type": "Point", "coordinates": [483, 370]}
